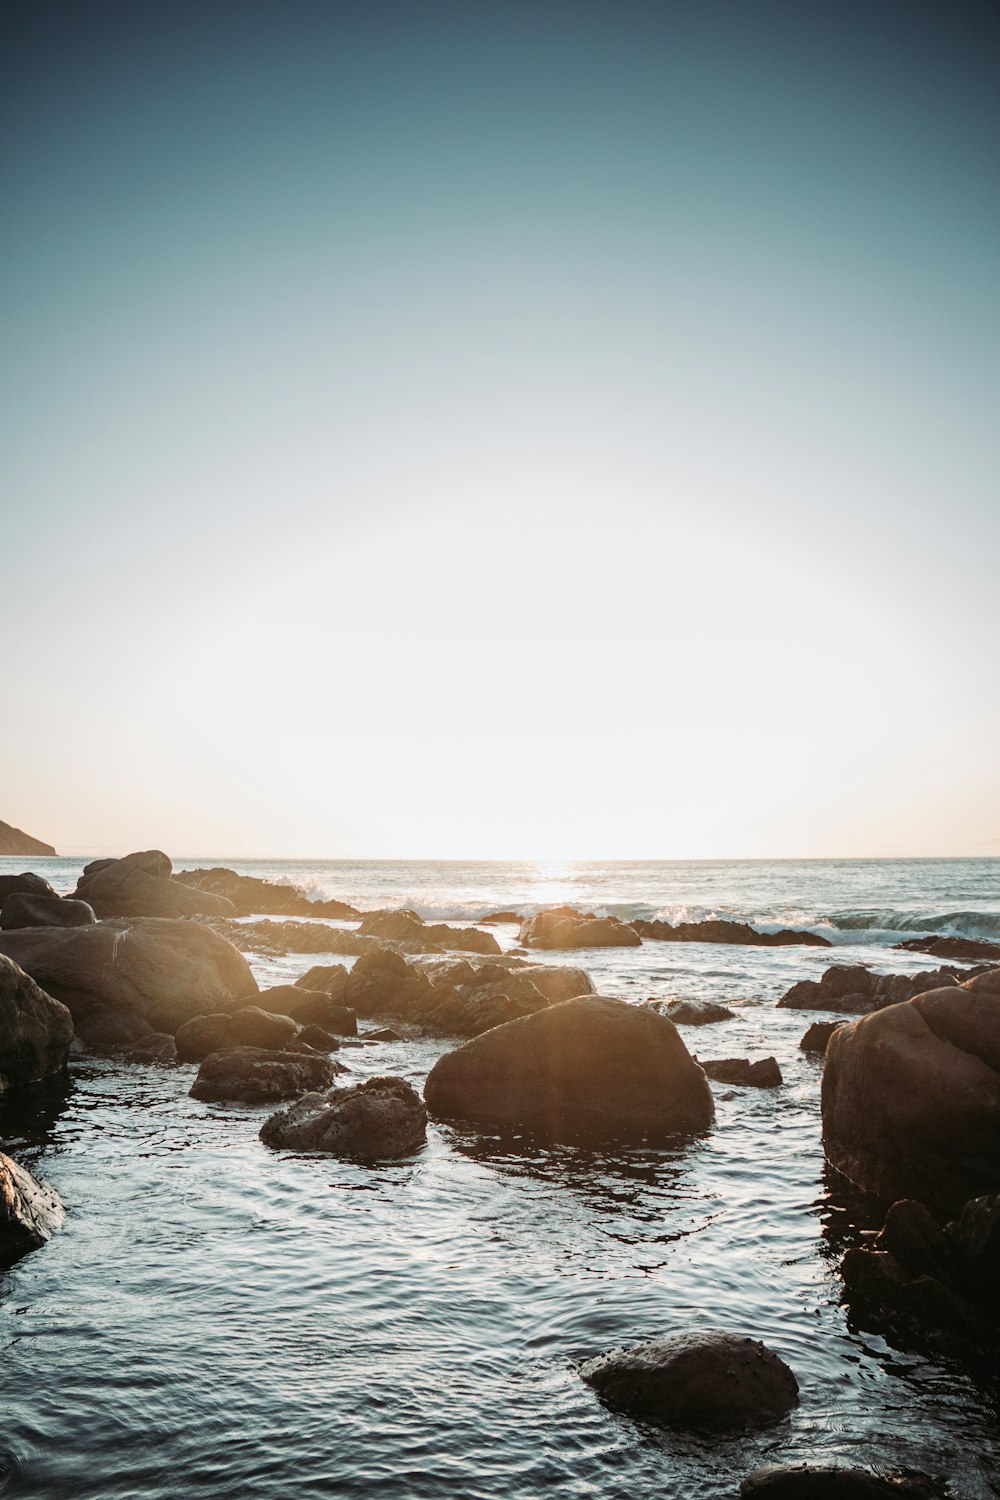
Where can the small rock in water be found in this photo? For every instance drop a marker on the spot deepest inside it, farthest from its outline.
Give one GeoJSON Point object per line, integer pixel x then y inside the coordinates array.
{"type": "Point", "coordinates": [818, 1034]}
{"type": "Point", "coordinates": [383, 1034]}
{"type": "Point", "coordinates": [696, 1380]}
{"type": "Point", "coordinates": [251, 1075]}
{"type": "Point", "coordinates": [382, 1117]}
{"type": "Point", "coordinates": [30, 1210]}
{"type": "Point", "coordinates": [691, 1012]}
{"type": "Point", "coordinates": [763, 1074]}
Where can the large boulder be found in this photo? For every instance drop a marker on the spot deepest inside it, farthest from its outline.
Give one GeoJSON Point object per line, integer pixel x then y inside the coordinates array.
{"type": "Point", "coordinates": [162, 970]}
{"type": "Point", "coordinates": [30, 1210]}
{"type": "Point", "coordinates": [911, 1097]}
{"type": "Point", "coordinates": [251, 895]}
{"type": "Point", "coordinates": [383, 983]}
{"type": "Point", "coordinates": [563, 927]}
{"type": "Point", "coordinates": [139, 885]}
{"type": "Point", "coordinates": [696, 1380]}
{"type": "Point", "coordinates": [722, 930]}
{"type": "Point", "coordinates": [591, 1065]}
{"type": "Point", "coordinates": [28, 884]}
{"type": "Point", "coordinates": [35, 1030]}
{"type": "Point", "coordinates": [382, 1117]}
{"type": "Point", "coordinates": [24, 910]}
{"type": "Point", "coordinates": [851, 989]}
{"type": "Point", "coordinates": [250, 1026]}
{"type": "Point", "coordinates": [254, 1076]}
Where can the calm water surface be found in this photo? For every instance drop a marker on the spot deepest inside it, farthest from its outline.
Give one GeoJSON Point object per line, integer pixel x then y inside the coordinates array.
{"type": "Point", "coordinates": [217, 1319]}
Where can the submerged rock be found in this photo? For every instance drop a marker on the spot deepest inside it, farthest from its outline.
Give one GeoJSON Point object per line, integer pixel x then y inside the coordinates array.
{"type": "Point", "coordinates": [30, 1210]}
{"type": "Point", "coordinates": [717, 930]}
{"type": "Point", "coordinates": [833, 1482]}
{"type": "Point", "coordinates": [696, 1380]}
{"type": "Point", "coordinates": [24, 910]}
{"type": "Point", "coordinates": [254, 1076]}
{"type": "Point", "coordinates": [563, 927]}
{"type": "Point", "coordinates": [590, 1066]}
{"type": "Point", "coordinates": [911, 1097]}
{"type": "Point", "coordinates": [763, 1074]}
{"type": "Point", "coordinates": [35, 1030]}
{"type": "Point", "coordinates": [382, 1117]}
{"type": "Point", "coordinates": [691, 1012]}
{"type": "Point", "coordinates": [162, 970]}
{"type": "Point", "coordinates": [140, 885]}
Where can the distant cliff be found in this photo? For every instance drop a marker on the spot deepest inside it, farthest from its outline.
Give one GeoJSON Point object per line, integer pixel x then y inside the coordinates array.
{"type": "Point", "coordinates": [13, 841]}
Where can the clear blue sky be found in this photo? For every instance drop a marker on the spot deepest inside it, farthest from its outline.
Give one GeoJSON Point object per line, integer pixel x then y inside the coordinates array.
{"type": "Point", "coordinates": [497, 429]}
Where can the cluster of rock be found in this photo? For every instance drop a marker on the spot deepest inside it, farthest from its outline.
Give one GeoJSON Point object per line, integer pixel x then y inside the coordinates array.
{"type": "Point", "coordinates": [959, 948]}
{"type": "Point", "coordinates": [251, 896]}
{"type": "Point", "coordinates": [762, 1074]}
{"type": "Point", "coordinates": [400, 932]}
{"type": "Point", "coordinates": [851, 989]}
{"type": "Point", "coordinates": [141, 885]}
{"type": "Point", "coordinates": [720, 930]}
{"type": "Point", "coordinates": [929, 1286]}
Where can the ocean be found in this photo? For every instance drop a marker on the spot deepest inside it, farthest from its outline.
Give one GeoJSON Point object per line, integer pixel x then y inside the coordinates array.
{"type": "Point", "coordinates": [217, 1319]}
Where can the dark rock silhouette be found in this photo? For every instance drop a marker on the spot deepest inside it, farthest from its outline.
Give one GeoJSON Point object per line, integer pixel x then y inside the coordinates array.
{"type": "Point", "coordinates": [254, 1076]}
{"type": "Point", "coordinates": [851, 989]}
{"type": "Point", "coordinates": [763, 1074]}
{"type": "Point", "coordinates": [140, 885]}
{"type": "Point", "coordinates": [383, 1117]}
{"type": "Point", "coordinates": [252, 896]}
{"type": "Point", "coordinates": [24, 910]}
{"type": "Point", "coordinates": [35, 1030]}
{"type": "Point", "coordinates": [718, 930]}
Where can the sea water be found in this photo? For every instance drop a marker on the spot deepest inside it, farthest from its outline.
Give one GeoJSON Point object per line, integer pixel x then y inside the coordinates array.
{"type": "Point", "coordinates": [219, 1319]}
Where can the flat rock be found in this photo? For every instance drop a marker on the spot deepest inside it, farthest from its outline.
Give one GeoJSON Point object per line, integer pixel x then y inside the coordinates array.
{"type": "Point", "coordinates": [592, 1066]}
{"type": "Point", "coordinates": [30, 1210]}
{"type": "Point", "coordinates": [383, 1117]}
{"type": "Point", "coordinates": [255, 1076]}
{"type": "Point", "coordinates": [833, 1482]}
{"type": "Point", "coordinates": [709, 1380]}
{"type": "Point", "coordinates": [35, 1030]}
{"type": "Point", "coordinates": [720, 930]}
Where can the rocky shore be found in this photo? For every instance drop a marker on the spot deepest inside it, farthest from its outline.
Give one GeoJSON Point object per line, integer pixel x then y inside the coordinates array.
{"type": "Point", "coordinates": [143, 964]}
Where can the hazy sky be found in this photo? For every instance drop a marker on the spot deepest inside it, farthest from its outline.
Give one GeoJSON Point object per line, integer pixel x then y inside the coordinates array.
{"type": "Point", "coordinates": [501, 430]}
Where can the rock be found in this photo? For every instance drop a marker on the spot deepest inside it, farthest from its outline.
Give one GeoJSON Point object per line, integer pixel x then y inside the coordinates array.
{"type": "Point", "coordinates": [254, 1076]}
{"type": "Point", "coordinates": [696, 1380]}
{"type": "Point", "coordinates": [851, 989]}
{"type": "Point", "coordinates": [315, 1008]}
{"type": "Point", "coordinates": [30, 1210]}
{"type": "Point", "coordinates": [27, 884]}
{"type": "Point", "coordinates": [832, 1482]}
{"type": "Point", "coordinates": [562, 927]}
{"type": "Point", "coordinates": [250, 895]}
{"type": "Point", "coordinates": [35, 1030]}
{"type": "Point", "coordinates": [318, 1039]}
{"type": "Point", "coordinates": [330, 978]}
{"type": "Point", "coordinates": [250, 1026]}
{"type": "Point", "coordinates": [164, 971]}
{"type": "Point", "coordinates": [383, 1117]}
{"type": "Point", "coordinates": [589, 1066]}
{"type": "Point", "coordinates": [383, 1034]}
{"type": "Point", "coordinates": [763, 1074]}
{"type": "Point", "coordinates": [407, 927]}
{"type": "Point", "coordinates": [503, 916]}
{"type": "Point", "coordinates": [293, 937]}
{"type": "Point", "coordinates": [385, 984]}
{"type": "Point", "coordinates": [691, 1012]}
{"type": "Point", "coordinates": [156, 1047]}
{"type": "Point", "coordinates": [929, 1288]}
{"type": "Point", "coordinates": [911, 1097]}
{"type": "Point", "coordinates": [395, 925]}
{"type": "Point", "coordinates": [818, 1034]}
{"type": "Point", "coordinates": [13, 841]}
{"type": "Point", "coordinates": [716, 930]}
{"type": "Point", "coordinates": [139, 885]}
{"type": "Point", "coordinates": [23, 910]}
{"type": "Point", "coordinates": [953, 947]}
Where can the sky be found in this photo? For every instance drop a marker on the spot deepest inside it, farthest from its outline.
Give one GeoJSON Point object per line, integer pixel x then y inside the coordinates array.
{"type": "Point", "coordinates": [500, 430]}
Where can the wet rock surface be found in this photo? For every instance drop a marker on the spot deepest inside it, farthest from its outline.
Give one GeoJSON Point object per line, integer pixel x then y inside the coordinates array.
{"type": "Point", "coordinates": [714, 930]}
{"type": "Point", "coordinates": [762, 1074]}
{"type": "Point", "coordinates": [834, 1482]}
{"type": "Point", "coordinates": [710, 1380]}
{"type": "Point", "coordinates": [383, 1117]}
{"type": "Point", "coordinates": [30, 1210]}
{"type": "Point", "coordinates": [816, 1037]}
{"type": "Point", "coordinates": [590, 1066]}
